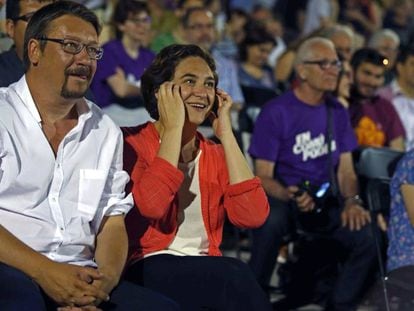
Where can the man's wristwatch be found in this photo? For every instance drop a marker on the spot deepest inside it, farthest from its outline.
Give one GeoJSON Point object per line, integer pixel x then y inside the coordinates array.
{"type": "Point", "coordinates": [356, 199]}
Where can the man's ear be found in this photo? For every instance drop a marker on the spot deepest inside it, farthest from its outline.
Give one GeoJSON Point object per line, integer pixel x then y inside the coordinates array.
{"type": "Point", "coordinates": [10, 27]}
{"type": "Point", "coordinates": [34, 51]}
{"type": "Point", "coordinates": [301, 72]}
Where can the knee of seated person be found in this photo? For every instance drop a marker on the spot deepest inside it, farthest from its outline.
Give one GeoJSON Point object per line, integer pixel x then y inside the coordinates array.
{"type": "Point", "coordinates": [14, 285]}
{"type": "Point", "coordinates": [364, 239]}
{"type": "Point", "coordinates": [236, 268]}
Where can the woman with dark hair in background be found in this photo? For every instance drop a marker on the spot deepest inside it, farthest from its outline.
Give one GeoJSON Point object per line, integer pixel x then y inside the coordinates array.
{"type": "Point", "coordinates": [256, 77]}
{"type": "Point", "coordinates": [116, 85]}
{"type": "Point", "coordinates": [183, 186]}
{"type": "Point", "coordinates": [254, 52]}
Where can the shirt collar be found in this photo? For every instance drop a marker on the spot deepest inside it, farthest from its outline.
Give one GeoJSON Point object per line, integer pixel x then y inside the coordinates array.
{"type": "Point", "coordinates": [83, 107]}
{"type": "Point", "coordinates": [395, 88]}
{"type": "Point", "coordinates": [22, 90]}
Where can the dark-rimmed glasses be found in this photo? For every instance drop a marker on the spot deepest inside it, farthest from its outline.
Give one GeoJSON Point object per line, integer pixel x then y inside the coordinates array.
{"type": "Point", "coordinates": [26, 17]}
{"type": "Point", "coordinates": [75, 47]}
{"type": "Point", "coordinates": [140, 20]}
{"type": "Point", "coordinates": [325, 64]}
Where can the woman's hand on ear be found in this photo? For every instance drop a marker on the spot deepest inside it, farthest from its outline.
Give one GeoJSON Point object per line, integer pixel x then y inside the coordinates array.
{"type": "Point", "coordinates": [222, 123]}
{"type": "Point", "coordinates": [170, 106]}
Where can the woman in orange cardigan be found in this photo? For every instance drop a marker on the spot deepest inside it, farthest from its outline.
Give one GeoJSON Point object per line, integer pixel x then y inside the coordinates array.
{"type": "Point", "coordinates": [184, 185]}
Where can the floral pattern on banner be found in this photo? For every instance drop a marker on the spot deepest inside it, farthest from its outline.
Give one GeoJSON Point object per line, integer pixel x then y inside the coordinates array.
{"type": "Point", "coordinates": [368, 133]}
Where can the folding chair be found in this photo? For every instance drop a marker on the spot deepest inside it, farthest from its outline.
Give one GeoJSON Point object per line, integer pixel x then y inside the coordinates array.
{"type": "Point", "coordinates": [375, 167]}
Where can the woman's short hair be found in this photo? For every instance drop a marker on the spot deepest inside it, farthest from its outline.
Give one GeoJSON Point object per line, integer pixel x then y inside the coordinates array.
{"type": "Point", "coordinates": [163, 68]}
{"type": "Point", "coordinates": [123, 10]}
{"type": "Point", "coordinates": [255, 34]}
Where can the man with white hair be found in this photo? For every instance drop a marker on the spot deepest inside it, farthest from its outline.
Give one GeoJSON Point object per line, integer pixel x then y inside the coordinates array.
{"type": "Point", "coordinates": [302, 143]}
{"type": "Point", "coordinates": [386, 42]}
{"type": "Point", "coordinates": [343, 38]}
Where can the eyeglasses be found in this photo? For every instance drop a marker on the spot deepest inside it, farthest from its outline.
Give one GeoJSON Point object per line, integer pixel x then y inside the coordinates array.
{"type": "Point", "coordinates": [74, 47]}
{"type": "Point", "coordinates": [325, 64]}
{"type": "Point", "coordinates": [199, 27]}
{"type": "Point", "coordinates": [25, 17]}
{"type": "Point", "coordinates": [140, 20]}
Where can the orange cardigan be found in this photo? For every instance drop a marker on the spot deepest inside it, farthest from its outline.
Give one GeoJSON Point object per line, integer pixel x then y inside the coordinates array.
{"type": "Point", "coordinates": [152, 224]}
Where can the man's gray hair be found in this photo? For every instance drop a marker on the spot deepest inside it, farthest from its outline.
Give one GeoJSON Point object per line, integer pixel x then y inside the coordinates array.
{"type": "Point", "coordinates": [306, 49]}
{"type": "Point", "coordinates": [339, 29]}
{"type": "Point", "coordinates": [382, 34]}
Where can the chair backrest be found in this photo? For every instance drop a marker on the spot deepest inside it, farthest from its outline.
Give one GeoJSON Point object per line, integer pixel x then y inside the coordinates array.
{"type": "Point", "coordinates": [256, 96]}
{"type": "Point", "coordinates": [375, 167]}
{"type": "Point", "coordinates": [378, 163]}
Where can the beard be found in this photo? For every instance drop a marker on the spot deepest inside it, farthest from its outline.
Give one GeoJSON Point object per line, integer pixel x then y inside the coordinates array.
{"type": "Point", "coordinates": [66, 92]}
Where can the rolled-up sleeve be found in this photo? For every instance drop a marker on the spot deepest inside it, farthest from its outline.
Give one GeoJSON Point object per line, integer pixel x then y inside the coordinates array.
{"type": "Point", "coordinates": [114, 199]}
{"type": "Point", "coordinates": [246, 203]}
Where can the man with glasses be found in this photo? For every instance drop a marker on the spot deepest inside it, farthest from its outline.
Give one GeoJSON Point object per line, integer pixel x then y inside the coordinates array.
{"type": "Point", "coordinates": [199, 29]}
{"type": "Point", "coordinates": [302, 145]}
{"type": "Point", "coordinates": [62, 198]}
{"type": "Point", "coordinates": [18, 14]}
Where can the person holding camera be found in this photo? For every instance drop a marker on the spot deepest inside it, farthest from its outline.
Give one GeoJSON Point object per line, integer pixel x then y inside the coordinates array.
{"type": "Point", "coordinates": [302, 145]}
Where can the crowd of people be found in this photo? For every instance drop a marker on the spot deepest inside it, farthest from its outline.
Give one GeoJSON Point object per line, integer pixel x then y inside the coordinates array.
{"type": "Point", "coordinates": [132, 132]}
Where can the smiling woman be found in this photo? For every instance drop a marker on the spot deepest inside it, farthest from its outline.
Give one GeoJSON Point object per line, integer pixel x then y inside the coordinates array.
{"type": "Point", "coordinates": [183, 185]}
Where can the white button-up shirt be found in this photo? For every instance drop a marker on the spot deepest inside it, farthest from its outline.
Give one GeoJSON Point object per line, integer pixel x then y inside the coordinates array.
{"type": "Point", "coordinates": [56, 204]}
{"type": "Point", "coordinates": [405, 109]}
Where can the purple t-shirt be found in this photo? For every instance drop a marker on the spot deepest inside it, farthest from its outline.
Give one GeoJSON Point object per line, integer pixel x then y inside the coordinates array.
{"type": "Point", "coordinates": [115, 56]}
{"type": "Point", "coordinates": [293, 134]}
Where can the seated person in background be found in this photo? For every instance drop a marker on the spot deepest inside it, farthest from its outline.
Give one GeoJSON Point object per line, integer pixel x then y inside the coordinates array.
{"type": "Point", "coordinates": [284, 70]}
{"type": "Point", "coordinates": [116, 85]}
{"type": "Point", "coordinates": [399, 18]}
{"type": "Point", "coordinates": [18, 14]}
{"type": "Point", "coordinates": [254, 73]}
{"type": "Point", "coordinates": [387, 42]}
{"type": "Point", "coordinates": [198, 25]}
{"type": "Point", "coordinates": [374, 119]}
{"type": "Point", "coordinates": [233, 34]}
{"type": "Point", "coordinates": [343, 38]}
{"type": "Point", "coordinates": [184, 186]}
{"type": "Point", "coordinates": [254, 51]}
{"type": "Point", "coordinates": [62, 197]}
{"type": "Point", "coordinates": [305, 136]}
{"type": "Point", "coordinates": [401, 92]}
{"type": "Point", "coordinates": [273, 24]}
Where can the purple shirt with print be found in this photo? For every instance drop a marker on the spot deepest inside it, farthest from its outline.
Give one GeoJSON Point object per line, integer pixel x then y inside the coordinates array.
{"type": "Point", "coordinates": [292, 134]}
{"type": "Point", "coordinates": [116, 56]}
